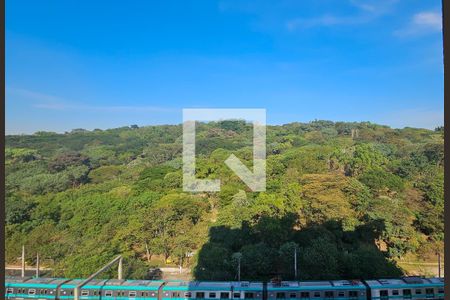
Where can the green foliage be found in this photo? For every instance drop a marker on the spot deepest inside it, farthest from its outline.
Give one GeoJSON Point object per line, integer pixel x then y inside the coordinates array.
{"type": "Point", "coordinates": [365, 157]}
{"type": "Point", "coordinates": [17, 210]}
{"type": "Point", "coordinates": [320, 260]}
{"type": "Point", "coordinates": [430, 220]}
{"type": "Point", "coordinates": [65, 160]}
{"type": "Point", "coordinates": [379, 180]}
{"type": "Point", "coordinates": [105, 173]}
{"type": "Point", "coordinates": [20, 154]}
{"type": "Point", "coordinates": [351, 197]}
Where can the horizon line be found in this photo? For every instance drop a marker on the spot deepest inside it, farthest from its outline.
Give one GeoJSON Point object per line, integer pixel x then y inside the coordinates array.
{"type": "Point", "coordinates": [179, 124]}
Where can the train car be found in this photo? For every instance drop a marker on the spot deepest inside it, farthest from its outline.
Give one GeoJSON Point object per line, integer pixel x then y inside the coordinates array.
{"type": "Point", "coordinates": [382, 289]}
{"type": "Point", "coordinates": [248, 290]}
{"type": "Point", "coordinates": [318, 290]}
{"type": "Point", "coordinates": [175, 290]}
{"type": "Point", "coordinates": [112, 289]}
{"type": "Point", "coordinates": [32, 288]}
{"type": "Point", "coordinates": [406, 288]}
{"type": "Point", "coordinates": [91, 290]}
{"type": "Point", "coordinates": [181, 290]}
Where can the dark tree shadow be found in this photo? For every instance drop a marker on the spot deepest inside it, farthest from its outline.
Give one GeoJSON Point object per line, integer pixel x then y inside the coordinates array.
{"type": "Point", "coordinates": [266, 250]}
{"type": "Point", "coordinates": [155, 274]}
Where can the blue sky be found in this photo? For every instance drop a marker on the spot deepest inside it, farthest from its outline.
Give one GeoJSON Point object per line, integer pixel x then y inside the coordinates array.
{"type": "Point", "coordinates": [104, 64]}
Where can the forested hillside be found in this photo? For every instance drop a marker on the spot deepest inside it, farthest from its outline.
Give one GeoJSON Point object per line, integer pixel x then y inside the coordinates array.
{"type": "Point", "coordinates": [352, 197]}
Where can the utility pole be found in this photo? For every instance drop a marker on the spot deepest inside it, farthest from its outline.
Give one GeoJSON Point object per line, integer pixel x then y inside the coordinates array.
{"type": "Point", "coordinates": [37, 265]}
{"type": "Point", "coordinates": [295, 262]}
{"type": "Point", "coordinates": [439, 264]}
{"type": "Point", "coordinates": [147, 251]}
{"type": "Point", "coordinates": [238, 256]}
{"type": "Point", "coordinates": [23, 260]}
{"type": "Point", "coordinates": [239, 270]}
{"type": "Point", "coordinates": [120, 268]}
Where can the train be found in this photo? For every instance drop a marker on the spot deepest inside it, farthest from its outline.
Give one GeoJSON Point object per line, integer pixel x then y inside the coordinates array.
{"type": "Point", "coordinates": [21, 288]}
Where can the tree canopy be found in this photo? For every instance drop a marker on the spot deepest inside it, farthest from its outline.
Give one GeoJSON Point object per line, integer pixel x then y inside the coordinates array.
{"type": "Point", "coordinates": [349, 198]}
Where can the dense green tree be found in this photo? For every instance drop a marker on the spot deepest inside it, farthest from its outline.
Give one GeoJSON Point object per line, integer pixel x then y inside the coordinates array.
{"type": "Point", "coordinates": [365, 157]}
{"type": "Point", "coordinates": [379, 180]}
{"type": "Point", "coordinates": [18, 210]}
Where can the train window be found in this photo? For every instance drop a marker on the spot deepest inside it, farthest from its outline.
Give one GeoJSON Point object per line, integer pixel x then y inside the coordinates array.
{"type": "Point", "coordinates": [200, 295]}
{"type": "Point", "coordinates": [212, 295]}
{"type": "Point", "coordinates": [84, 293]}
{"type": "Point", "coordinates": [108, 293]}
{"type": "Point", "coordinates": [394, 292]}
{"type": "Point", "coordinates": [187, 295]}
{"type": "Point", "coordinates": [9, 290]}
{"type": "Point", "coordinates": [305, 295]}
{"type": "Point", "coordinates": [249, 295]}
{"type": "Point", "coordinates": [224, 295]}
{"type": "Point", "coordinates": [407, 294]}
{"type": "Point", "coordinates": [384, 295]}
{"type": "Point", "coordinates": [418, 291]}
{"type": "Point", "coordinates": [316, 294]}
{"type": "Point", "coordinates": [175, 294]}
{"type": "Point", "coordinates": [429, 291]}
{"type": "Point", "coordinates": [353, 294]}
{"type": "Point", "coordinates": [236, 295]}
{"type": "Point", "coordinates": [329, 295]}
{"type": "Point", "coordinates": [280, 295]}
{"type": "Point", "coordinates": [292, 295]}
{"type": "Point", "coordinates": [341, 294]}
{"type": "Point", "coordinates": [31, 292]}
{"type": "Point", "coordinates": [45, 291]}
{"type": "Point", "coordinates": [440, 291]}
{"type": "Point", "coordinates": [132, 293]}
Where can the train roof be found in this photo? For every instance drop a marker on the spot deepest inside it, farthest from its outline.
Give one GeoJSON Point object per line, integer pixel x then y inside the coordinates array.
{"type": "Point", "coordinates": [154, 284]}
{"type": "Point", "coordinates": [316, 285]}
{"type": "Point", "coordinates": [41, 282]}
{"type": "Point", "coordinates": [405, 282]}
{"type": "Point", "coordinates": [115, 284]}
{"type": "Point", "coordinates": [213, 285]}
{"type": "Point", "coordinates": [92, 284]}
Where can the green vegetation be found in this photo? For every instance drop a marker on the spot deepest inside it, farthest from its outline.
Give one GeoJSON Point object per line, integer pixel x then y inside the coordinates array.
{"type": "Point", "coordinates": [350, 197]}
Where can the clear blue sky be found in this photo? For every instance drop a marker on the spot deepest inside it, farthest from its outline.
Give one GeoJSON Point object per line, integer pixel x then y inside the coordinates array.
{"type": "Point", "coordinates": [105, 64]}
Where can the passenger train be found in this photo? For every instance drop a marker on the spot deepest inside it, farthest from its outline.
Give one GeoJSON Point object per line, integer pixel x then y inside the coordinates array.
{"type": "Point", "coordinates": [381, 289]}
